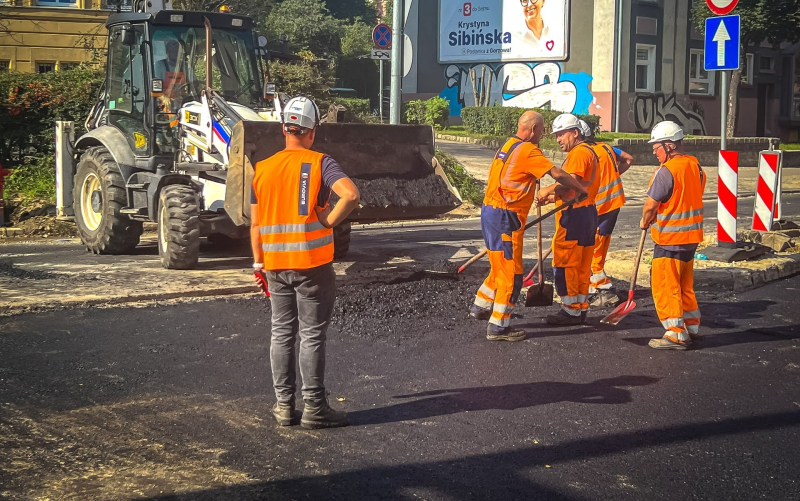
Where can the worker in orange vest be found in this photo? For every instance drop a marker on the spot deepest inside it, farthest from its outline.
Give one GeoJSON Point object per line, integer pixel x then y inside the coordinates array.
{"type": "Point", "coordinates": [573, 243]}
{"type": "Point", "coordinates": [292, 239]}
{"type": "Point", "coordinates": [674, 213]}
{"type": "Point", "coordinates": [516, 169]}
{"type": "Point", "coordinates": [613, 162]}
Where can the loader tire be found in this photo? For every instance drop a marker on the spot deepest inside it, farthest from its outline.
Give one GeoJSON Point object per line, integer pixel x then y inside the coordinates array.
{"type": "Point", "coordinates": [341, 240]}
{"type": "Point", "coordinates": [99, 195]}
{"type": "Point", "coordinates": [178, 227]}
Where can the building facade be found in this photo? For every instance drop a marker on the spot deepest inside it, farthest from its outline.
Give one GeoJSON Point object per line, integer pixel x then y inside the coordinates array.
{"type": "Point", "coordinates": [51, 35]}
{"type": "Point", "coordinates": [661, 75]}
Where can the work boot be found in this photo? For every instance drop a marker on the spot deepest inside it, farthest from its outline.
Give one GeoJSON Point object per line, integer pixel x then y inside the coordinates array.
{"type": "Point", "coordinates": [284, 413]}
{"type": "Point", "coordinates": [320, 415]}
{"type": "Point", "coordinates": [479, 313]}
{"type": "Point", "coordinates": [504, 334]}
{"type": "Point", "coordinates": [564, 318]}
{"type": "Point", "coordinates": [669, 343]}
{"type": "Point", "coordinates": [604, 298]}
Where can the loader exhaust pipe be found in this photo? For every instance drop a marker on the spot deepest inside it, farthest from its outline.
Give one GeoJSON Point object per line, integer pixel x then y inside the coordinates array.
{"type": "Point", "coordinates": [209, 48]}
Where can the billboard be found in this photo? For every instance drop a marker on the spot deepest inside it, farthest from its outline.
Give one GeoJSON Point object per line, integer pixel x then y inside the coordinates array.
{"type": "Point", "coordinates": [503, 30]}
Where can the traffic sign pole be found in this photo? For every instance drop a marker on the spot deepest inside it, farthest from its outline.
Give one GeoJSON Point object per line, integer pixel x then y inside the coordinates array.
{"type": "Point", "coordinates": [380, 95]}
{"type": "Point", "coordinates": [723, 132]}
{"type": "Point", "coordinates": [397, 62]}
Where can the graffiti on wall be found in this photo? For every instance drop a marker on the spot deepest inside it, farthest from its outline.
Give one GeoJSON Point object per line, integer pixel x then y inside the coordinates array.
{"type": "Point", "coordinates": [649, 109]}
{"type": "Point", "coordinates": [525, 85]}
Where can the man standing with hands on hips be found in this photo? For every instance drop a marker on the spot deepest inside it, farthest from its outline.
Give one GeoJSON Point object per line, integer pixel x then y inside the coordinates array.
{"type": "Point", "coordinates": [292, 239]}
{"type": "Point", "coordinates": [674, 213]}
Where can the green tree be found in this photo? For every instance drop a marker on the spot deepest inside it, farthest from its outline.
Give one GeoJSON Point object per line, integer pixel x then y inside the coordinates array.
{"type": "Point", "coordinates": [357, 39]}
{"type": "Point", "coordinates": [351, 9]}
{"type": "Point", "coordinates": [775, 21]}
{"type": "Point", "coordinates": [308, 25]}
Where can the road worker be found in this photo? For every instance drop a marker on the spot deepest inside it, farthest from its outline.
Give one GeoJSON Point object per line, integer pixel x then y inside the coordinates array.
{"type": "Point", "coordinates": [510, 191]}
{"type": "Point", "coordinates": [674, 213]}
{"type": "Point", "coordinates": [292, 239]}
{"type": "Point", "coordinates": [573, 243]}
{"type": "Point", "coordinates": [613, 162]}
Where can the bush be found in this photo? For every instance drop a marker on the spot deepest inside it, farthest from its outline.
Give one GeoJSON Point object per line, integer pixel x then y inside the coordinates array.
{"type": "Point", "coordinates": [435, 111]}
{"type": "Point", "coordinates": [34, 178]}
{"type": "Point", "coordinates": [470, 188]}
{"type": "Point", "coordinates": [502, 121]}
{"type": "Point", "coordinates": [358, 110]}
{"type": "Point", "coordinates": [301, 79]}
{"type": "Point", "coordinates": [30, 104]}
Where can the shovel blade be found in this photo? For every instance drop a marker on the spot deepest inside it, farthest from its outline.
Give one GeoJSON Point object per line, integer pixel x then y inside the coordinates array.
{"type": "Point", "coordinates": [619, 313]}
{"type": "Point", "coordinates": [539, 295]}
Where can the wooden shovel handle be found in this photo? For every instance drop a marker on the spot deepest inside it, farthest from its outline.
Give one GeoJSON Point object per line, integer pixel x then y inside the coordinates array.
{"type": "Point", "coordinates": [638, 260]}
{"type": "Point", "coordinates": [472, 260]}
{"type": "Point", "coordinates": [539, 234]}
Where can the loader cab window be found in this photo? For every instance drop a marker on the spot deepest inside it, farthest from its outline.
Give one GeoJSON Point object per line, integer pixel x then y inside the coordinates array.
{"type": "Point", "coordinates": [179, 60]}
{"type": "Point", "coordinates": [126, 89]}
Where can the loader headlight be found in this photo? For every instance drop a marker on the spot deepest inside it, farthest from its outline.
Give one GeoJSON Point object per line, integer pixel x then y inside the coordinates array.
{"type": "Point", "coordinates": [236, 22]}
{"type": "Point", "coordinates": [176, 18]}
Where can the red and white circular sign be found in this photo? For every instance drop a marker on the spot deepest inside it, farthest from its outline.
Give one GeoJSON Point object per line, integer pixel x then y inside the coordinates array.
{"type": "Point", "coordinates": [722, 7]}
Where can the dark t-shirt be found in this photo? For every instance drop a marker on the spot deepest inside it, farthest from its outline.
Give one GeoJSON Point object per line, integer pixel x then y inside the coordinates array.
{"type": "Point", "coordinates": [331, 172]}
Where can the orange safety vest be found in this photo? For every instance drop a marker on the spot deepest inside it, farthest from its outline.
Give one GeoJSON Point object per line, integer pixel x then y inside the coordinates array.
{"type": "Point", "coordinates": [679, 220]}
{"type": "Point", "coordinates": [610, 195]}
{"type": "Point", "coordinates": [173, 80]}
{"type": "Point", "coordinates": [594, 177]}
{"type": "Point", "coordinates": [510, 184]}
{"type": "Point", "coordinates": [287, 185]}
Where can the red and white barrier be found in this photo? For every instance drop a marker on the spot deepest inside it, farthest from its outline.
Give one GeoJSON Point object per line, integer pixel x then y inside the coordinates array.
{"type": "Point", "coordinates": [727, 193]}
{"type": "Point", "coordinates": [766, 190]}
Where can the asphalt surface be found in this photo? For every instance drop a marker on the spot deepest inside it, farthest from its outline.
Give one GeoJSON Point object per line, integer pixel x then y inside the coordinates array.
{"type": "Point", "coordinates": [173, 403]}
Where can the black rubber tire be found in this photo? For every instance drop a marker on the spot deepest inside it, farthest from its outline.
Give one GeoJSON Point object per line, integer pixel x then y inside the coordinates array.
{"type": "Point", "coordinates": [341, 240]}
{"type": "Point", "coordinates": [178, 227]}
{"type": "Point", "coordinates": [116, 233]}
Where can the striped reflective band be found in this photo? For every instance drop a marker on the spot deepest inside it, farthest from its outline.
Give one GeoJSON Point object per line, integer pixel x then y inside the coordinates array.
{"type": "Point", "coordinates": [298, 246]}
{"type": "Point", "coordinates": [672, 322]}
{"type": "Point", "coordinates": [291, 228]}
{"type": "Point", "coordinates": [609, 197]}
{"type": "Point", "coordinates": [691, 314]}
{"type": "Point", "coordinates": [569, 300]}
{"type": "Point", "coordinates": [610, 185]}
{"type": "Point", "coordinates": [487, 291]}
{"type": "Point", "coordinates": [680, 215]}
{"type": "Point", "coordinates": [503, 308]}
{"type": "Point", "coordinates": [680, 229]}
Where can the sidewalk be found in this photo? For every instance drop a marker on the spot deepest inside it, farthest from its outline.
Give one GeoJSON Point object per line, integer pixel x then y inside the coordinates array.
{"type": "Point", "coordinates": [477, 159]}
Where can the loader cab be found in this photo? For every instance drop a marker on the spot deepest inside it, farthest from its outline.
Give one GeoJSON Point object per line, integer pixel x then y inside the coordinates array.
{"type": "Point", "coordinates": [156, 64]}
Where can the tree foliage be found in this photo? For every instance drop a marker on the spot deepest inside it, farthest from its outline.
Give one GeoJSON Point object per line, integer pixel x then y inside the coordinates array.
{"type": "Point", "coordinates": [357, 39]}
{"type": "Point", "coordinates": [351, 9]}
{"type": "Point", "coordinates": [308, 25]}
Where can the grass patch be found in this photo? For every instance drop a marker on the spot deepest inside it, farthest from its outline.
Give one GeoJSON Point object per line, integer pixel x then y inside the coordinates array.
{"type": "Point", "coordinates": [470, 188]}
{"type": "Point", "coordinates": [790, 146]}
{"type": "Point", "coordinates": [35, 178]}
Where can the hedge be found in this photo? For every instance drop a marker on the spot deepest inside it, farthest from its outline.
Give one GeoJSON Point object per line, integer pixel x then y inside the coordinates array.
{"type": "Point", "coordinates": [434, 111]}
{"type": "Point", "coordinates": [502, 121]}
{"type": "Point", "coordinates": [30, 104]}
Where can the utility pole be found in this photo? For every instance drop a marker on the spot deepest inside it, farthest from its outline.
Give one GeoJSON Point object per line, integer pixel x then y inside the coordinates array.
{"type": "Point", "coordinates": [397, 61]}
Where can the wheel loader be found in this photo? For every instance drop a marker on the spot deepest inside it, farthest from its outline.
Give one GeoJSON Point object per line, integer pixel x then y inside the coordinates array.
{"type": "Point", "coordinates": [184, 115]}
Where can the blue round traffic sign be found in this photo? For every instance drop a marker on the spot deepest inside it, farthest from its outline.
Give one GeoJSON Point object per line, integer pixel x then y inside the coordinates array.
{"type": "Point", "coordinates": [382, 36]}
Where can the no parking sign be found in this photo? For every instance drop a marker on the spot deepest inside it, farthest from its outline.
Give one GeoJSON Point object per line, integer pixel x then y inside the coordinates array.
{"type": "Point", "coordinates": [382, 36]}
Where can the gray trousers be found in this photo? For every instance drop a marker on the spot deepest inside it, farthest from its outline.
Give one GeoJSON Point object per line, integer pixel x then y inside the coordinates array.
{"type": "Point", "coordinates": [302, 303]}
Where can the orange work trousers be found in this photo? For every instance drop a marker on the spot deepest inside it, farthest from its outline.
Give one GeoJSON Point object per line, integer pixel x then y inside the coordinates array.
{"type": "Point", "coordinates": [573, 249]}
{"type": "Point", "coordinates": [606, 224]}
{"type": "Point", "coordinates": [672, 283]}
{"type": "Point", "coordinates": [503, 230]}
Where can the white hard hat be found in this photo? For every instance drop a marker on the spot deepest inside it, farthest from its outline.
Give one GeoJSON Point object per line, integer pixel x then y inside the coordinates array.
{"type": "Point", "coordinates": [566, 121]}
{"type": "Point", "coordinates": [666, 131]}
{"type": "Point", "coordinates": [301, 111]}
{"type": "Point", "coordinates": [585, 129]}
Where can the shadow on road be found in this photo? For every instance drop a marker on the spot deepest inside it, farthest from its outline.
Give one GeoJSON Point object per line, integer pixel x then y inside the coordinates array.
{"type": "Point", "coordinates": [756, 335]}
{"type": "Point", "coordinates": [506, 397]}
{"type": "Point", "coordinates": [489, 476]}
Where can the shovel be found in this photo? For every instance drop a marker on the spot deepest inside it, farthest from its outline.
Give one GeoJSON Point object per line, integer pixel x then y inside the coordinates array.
{"type": "Point", "coordinates": [528, 280]}
{"type": "Point", "coordinates": [538, 220]}
{"type": "Point", "coordinates": [540, 294]}
{"type": "Point", "coordinates": [622, 310]}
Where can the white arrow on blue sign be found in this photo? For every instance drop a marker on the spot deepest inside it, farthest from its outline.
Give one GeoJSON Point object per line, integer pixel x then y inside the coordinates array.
{"type": "Point", "coordinates": [723, 37]}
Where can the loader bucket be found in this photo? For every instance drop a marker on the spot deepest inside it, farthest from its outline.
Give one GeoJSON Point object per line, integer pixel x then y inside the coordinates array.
{"type": "Point", "coordinates": [392, 165]}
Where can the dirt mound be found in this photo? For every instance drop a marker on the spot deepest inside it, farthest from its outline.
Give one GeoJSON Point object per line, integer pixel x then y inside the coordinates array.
{"type": "Point", "coordinates": [37, 218]}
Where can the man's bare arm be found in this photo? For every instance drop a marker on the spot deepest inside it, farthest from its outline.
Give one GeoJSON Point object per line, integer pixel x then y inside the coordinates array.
{"type": "Point", "coordinates": [649, 213]}
{"type": "Point", "coordinates": [625, 162]}
{"type": "Point", "coordinates": [255, 235]}
{"type": "Point", "coordinates": [348, 200]}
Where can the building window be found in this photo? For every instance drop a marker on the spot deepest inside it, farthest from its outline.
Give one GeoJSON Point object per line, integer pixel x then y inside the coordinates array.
{"type": "Point", "coordinates": [45, 67]}
{"type": "Point", "coordinates": [56, 3]}
{"type": "Point", "coordinates": [701, 82]}
{"type": "Point", "coordinates": [747, 69]}
{"type": "Point", "coordinates": [645, 68]}
{"type": "Point", "coordinates": [5, 66]}
{"type": "Point", "coordinates": [767, 64]}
